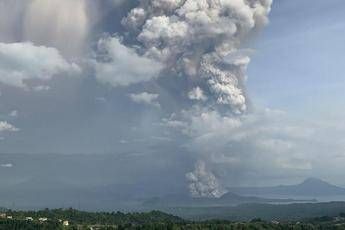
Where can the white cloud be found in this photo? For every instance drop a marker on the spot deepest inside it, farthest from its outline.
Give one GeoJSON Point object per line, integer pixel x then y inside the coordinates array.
{"type": "Point", "coordinates": [145, 98]}
{"type": "Point", "coordinates": [211, 122]}
{"type": "Point", "coordinates": [7, 165]}
{"type": "Point", "coordinates": [7, 127]}
{"type": "Point", "coordinates": [197, 94]}
{"type": "Point", "coordinates": [40, 88]}
{"type": "Point", "coordinates": [265, 144]}
{"type": "Point", "coordinates": [20, 62]}
{"type": "Point", "coordinates": [123, 66]}
{"type": "Point", "coordinates": [13, 113]}
{"type": "Point", "coordinates": [123, 142]}
{"type": "Point", "coordinates": [101, 100]}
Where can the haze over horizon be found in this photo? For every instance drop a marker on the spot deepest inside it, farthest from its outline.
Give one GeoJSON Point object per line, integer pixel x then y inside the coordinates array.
{"type": "Point", "coordinates": [171, 96]}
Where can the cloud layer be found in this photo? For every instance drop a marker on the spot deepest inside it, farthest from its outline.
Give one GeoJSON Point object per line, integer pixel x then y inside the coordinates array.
{"type": "Point", "coordinates": [21, 62]}
{"type": "Point", "coordinates": [7, 127]}
{"type": "Point", "coordinates": [122, 66]}
{"type": "Point", "coordinates": [146, 99]}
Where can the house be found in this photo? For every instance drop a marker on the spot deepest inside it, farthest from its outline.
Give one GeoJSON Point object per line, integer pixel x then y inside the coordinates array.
{"type": "Point", "coordinates": [9, 217]}
{"type": "Point", "coordinates": [338, 218]}
{"type": "Point", "coordinates": [65, 223]}
{"type": "Point", "coordinates": [2, 215]}
{"type": "Point", "coordinates": [43, 219]}
{"type": "Point", "coordinates": [29, 218]}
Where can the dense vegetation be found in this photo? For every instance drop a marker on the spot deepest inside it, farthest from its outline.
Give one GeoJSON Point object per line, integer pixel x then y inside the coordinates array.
{"type": "Point", "coordinates": [212, 225]}
{"type": "Point", "coordinates": [247, 212]}
{"type": "Point", "coordinates": [152, 220]}
{"type": "Point", "coordinates": [6, 224]}
{"type": "Point", "coordinates": [82, 217]}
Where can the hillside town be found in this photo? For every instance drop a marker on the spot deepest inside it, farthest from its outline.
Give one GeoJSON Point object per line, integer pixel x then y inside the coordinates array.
{"type": "Point", "coordinates": [4, 216]}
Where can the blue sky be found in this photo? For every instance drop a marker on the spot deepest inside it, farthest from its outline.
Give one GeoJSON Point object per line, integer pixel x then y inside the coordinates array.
{"type": "Point", "coordinates": [299, 63]}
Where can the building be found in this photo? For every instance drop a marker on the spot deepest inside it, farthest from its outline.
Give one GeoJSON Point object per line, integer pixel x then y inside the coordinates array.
{"type": "Point", "coordinates": [65, 223]}
{"type": "Point", "coordinates": [43, 219]}
{"type": "Point", "coordinates": [29, 218]}
{"type": "Point", "coordinates": [2, 215]}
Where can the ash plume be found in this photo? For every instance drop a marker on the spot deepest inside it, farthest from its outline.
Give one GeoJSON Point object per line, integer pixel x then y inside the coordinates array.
{"type": "Point", "coordinates": [193, 37]}
{"type": "Point", "coordinates": [201, 40]}
{"type": "Point", "coordinates": [203, 183]}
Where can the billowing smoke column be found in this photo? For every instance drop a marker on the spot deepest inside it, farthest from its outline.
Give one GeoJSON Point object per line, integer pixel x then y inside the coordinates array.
{"type": "Point", "coordinates": [203, 183]}
{"type": "Point", "coordinates": [201, 40]}
{"type": "Point", "coordinates": [194, 37]}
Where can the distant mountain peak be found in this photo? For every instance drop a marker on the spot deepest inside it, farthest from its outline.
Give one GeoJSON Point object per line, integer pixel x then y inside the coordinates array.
{"type": "Point", "coordinates": [310, 187]}
{"type": "Point", "coordinates": [313, 180]}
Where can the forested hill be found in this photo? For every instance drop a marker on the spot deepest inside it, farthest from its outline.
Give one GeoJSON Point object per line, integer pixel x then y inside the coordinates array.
{"type": "Point", "coordinates": [57, 219]}
{"type": "Point", "coordinates": [106, 218]}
